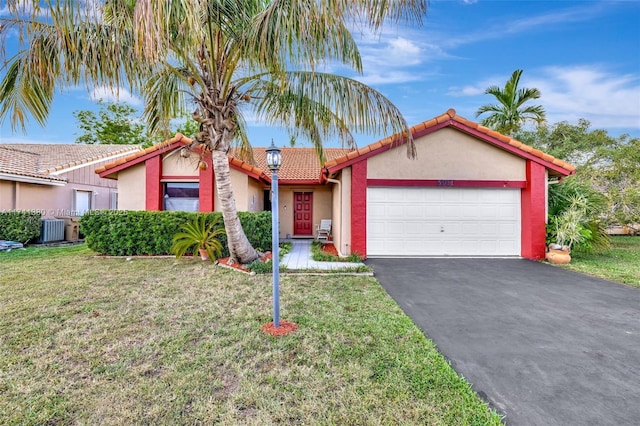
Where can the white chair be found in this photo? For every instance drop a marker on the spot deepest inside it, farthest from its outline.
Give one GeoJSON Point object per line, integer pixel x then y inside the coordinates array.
{"type": "Point", "coordinates": [324, 230]}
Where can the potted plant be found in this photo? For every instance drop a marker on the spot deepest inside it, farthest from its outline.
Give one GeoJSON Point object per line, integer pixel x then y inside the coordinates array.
{"type": "Point", "coordinates": [568, 228]}
{"type": "Point", "coordinates": [198, 238]}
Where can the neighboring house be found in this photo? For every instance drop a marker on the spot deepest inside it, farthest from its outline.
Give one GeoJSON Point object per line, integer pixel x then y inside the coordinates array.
{"type": "Point", "coordinates": [58, 180]}
{"type": "Point", "coordinates": [470, 192]}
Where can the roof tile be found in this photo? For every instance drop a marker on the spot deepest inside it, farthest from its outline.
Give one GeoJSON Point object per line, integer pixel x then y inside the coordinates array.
{"type": "Point", "coordinates": [47, 160]}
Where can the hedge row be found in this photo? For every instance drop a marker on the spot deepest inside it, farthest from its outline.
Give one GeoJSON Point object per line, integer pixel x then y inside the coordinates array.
{"type": "Point", "coordinates": [128, 233]}
{"type": "Point", "coordinates": [21, 226]}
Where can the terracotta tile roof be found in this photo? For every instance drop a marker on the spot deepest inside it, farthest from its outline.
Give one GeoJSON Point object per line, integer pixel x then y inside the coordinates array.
{"type": "Point", "coordinates": [46, 161]}
{"type": "Point", "coordinates": [298, 164]}
{"type": "Point", "coordinates": [451, 118]}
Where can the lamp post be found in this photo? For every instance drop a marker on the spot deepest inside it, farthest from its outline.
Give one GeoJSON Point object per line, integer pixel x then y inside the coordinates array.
{"type": "Point", "coordinates": [274, 160]}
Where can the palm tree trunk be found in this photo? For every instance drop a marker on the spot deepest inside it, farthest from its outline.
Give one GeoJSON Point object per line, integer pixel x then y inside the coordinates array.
{"type": "Point", "coordinates": [240, 248]}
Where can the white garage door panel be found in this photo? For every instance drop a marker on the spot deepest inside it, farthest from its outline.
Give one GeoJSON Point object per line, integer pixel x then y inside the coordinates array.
{"type": "Point", "coordinates": [443, 221]}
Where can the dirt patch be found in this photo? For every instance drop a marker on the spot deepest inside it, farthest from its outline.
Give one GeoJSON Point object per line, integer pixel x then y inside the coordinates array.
{"type": "Point", "coordinates": [284, 328]}
{"type": "Point", "coordinates": [329, 248]}
{"type": "Point", "coordinates": [226, 262]}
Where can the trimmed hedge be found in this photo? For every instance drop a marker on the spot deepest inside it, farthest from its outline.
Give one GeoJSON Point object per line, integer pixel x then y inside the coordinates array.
{"type": "Point", "coordinates": [21, 226]}
{"type": "Point", "coordinates": [129, 233]}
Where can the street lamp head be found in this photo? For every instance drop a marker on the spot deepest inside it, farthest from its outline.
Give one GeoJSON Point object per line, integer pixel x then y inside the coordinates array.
{"type": "Point", "coordinates": [274, 157]}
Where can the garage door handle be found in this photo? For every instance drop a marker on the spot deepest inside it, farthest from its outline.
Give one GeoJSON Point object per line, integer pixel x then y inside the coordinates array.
{"type": "Point", "coordinates": [442, 229]}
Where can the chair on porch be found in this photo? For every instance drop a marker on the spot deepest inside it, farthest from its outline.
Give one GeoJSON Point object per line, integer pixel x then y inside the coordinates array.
{"type": "Point", "coordinates": [324, 230]}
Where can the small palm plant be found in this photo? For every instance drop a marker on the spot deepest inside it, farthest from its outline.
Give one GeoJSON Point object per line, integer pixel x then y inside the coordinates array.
{"type": "Point", "coordinates": [198, 238]}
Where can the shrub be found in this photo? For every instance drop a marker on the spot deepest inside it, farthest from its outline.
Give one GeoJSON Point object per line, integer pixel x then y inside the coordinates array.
{"type": "Point", "coordinates": [575, 210]}
{"type": "Point", "coordinates": [21, 226]}
{"type": "Point", "coordinates": [126, 233]}
{"type": "Point", "coordinates": [197, 236]}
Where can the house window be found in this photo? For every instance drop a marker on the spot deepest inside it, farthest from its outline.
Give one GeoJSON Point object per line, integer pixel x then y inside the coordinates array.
{"type": "Point", "coordinates": [183, 196]}
{"type": "Point", "coordinates": [113, 205]}
{"type": "Point", "coordinates": [82, 202]}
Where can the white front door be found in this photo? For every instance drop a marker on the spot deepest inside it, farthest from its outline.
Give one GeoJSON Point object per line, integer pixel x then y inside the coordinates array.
{"type": "Point", "coordinates": [409, 221]}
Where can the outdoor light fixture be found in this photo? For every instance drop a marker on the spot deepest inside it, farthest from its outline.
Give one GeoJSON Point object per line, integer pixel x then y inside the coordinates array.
{"type": "Point", "coordinates": [274, 161]}
{"type": "Point", "coordinates": [274, 158]}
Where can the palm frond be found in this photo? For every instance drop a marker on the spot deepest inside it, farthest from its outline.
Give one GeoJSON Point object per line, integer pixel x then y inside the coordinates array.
{"type": "Point", "coordinates": [326, 105]}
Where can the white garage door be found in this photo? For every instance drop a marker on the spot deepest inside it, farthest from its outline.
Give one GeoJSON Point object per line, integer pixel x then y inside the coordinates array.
{"type": "Point", "coordinates": [443, 222]}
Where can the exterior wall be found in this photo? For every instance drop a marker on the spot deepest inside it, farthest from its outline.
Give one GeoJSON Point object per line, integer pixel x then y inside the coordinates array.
{"type": "Point", "coordinates": [534, 212]}
{"type": "Point", "coordinates": [7, 195]}
{"type": "Point", "coordinates": [255, 194]}
{"type": "Point", "coordinates": [341, 212]}
{"type": "Point", "coordinates": [359, 208]}
{"type": "Point", "coordinates": [447, 154]}
{"type": "Point", "coordinates": [322, 202]}
{"type": "Point", "coordinates": [173, 164]}
{"type": "Point", "coordinates": [131, 188]}
{"type": "Point", "coordinates": [58, 201]}
{"type": "Point", "coordinates": [240, 185]}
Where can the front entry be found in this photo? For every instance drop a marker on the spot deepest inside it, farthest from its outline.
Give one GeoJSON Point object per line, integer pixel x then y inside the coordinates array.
{"type": "Point", "coordinates": [302, 213]}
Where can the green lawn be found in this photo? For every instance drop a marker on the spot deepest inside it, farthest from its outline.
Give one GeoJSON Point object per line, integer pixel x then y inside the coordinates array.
{"type": "Point", "coordinates": [163, 341]}
{"type": "Point", "coordinates": [620, 264]}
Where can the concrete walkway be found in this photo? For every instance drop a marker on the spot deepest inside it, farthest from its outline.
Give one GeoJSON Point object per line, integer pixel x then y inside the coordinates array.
{"type": "Point", "coordinates": [299, 258]}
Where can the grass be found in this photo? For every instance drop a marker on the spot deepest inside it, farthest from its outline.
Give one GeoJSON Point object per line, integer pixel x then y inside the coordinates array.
{"type": "Point", "coordinates": [93, 340]}
{"type": "Point", "coordinates": [621, 263]}
{"type": "Point", "coordinates": [319, 255]}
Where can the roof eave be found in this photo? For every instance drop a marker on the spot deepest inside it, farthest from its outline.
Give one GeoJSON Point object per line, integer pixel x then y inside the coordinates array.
{"type": "Point", "coordinates": [32, 179]}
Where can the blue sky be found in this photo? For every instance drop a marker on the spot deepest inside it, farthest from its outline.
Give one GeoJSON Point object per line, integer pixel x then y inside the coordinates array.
{"type": "Point", "coordinates": [584, 56]}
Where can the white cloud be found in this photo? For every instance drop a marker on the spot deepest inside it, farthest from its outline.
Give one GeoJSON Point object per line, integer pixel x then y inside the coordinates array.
{"type": "Point", "coordinates": [389, 77]}
{"type": "Point", "coordinates": [606, 99]}
{"type": "Point", "coordinates": [115, 95]}
{"type": "Point", "coordinates": [545, 21]}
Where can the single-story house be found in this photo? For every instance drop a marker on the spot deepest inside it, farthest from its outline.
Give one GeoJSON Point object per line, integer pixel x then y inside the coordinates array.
{"type": "Point", "coordinates": [470, 192]}
{"type": "Point", "coordinates": [58, 179]}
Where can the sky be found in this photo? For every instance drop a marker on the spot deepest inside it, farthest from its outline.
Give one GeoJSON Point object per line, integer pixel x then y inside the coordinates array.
{"type": "Point", "coordinates": [584, 57]}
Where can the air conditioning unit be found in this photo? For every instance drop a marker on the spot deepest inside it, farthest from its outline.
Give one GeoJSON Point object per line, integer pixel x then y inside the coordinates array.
{"type": "Point", "coordinates": [51, 230]}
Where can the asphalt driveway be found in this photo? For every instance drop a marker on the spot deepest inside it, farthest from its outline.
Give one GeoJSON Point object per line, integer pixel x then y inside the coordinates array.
{"type": "Point", "coordinates": [543, 345]}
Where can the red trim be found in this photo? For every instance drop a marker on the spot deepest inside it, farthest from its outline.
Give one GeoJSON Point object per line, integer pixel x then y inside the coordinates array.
{"type": "Point", "coordinates": [153, 170]}
{"type": "Point", "coordinates": [449, 183]}
{"type": "Point", "coordinates": [174, 178]}
{"type": "Point", "coordinates": [359, 209]}
{"type": "Point", "coordinates": [533, 205]}
{"type": "Point", "coordinates": [207, 184]}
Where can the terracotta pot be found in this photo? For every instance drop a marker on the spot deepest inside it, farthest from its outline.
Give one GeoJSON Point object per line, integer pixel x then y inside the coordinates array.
{"type": "Point", "coordinates": [558, 257]}
{"type": "Point", "coordinates": [203, 254]}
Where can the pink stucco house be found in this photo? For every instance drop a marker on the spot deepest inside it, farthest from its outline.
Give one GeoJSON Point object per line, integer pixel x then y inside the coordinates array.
{"type": "Point", "coordinates": [470, 192]}
{"type": "Point", "coordinates": [58, 179]}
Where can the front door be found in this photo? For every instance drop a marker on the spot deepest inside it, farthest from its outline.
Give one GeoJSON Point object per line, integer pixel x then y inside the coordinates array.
{"type": "Point", "coordinates": [302, 213]}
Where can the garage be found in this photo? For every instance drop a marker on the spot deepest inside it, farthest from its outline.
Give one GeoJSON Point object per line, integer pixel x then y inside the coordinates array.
{"type": "Point", "coordinates": [443, 221]}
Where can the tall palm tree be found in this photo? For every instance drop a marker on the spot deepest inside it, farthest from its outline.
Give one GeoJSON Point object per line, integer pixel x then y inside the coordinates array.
{"type": "Point", "coordinates": [224, 57]}
{"type": "Point", "coordinates": [510, 114]}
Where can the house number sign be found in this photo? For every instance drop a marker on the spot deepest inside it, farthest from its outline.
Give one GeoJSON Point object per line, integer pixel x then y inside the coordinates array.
{"type": "Point", "coordinates": [445, 182]}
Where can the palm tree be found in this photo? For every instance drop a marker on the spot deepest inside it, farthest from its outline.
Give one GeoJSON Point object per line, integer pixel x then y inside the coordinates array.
{"type": "Point", "coordinates": [510, 114]}
{"type": "Point", "coordinates": [226, 58]}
